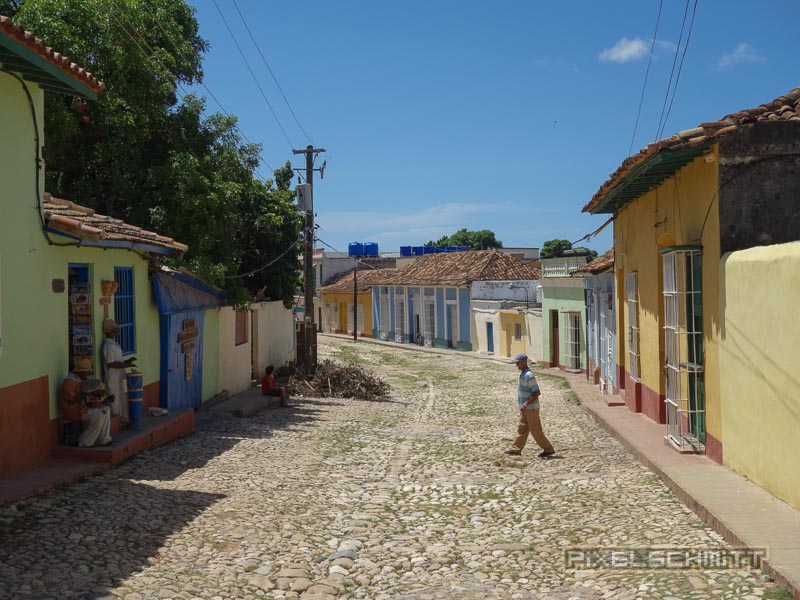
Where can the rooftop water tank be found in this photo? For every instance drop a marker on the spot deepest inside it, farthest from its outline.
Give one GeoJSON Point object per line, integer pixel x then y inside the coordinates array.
{"type": "Point", "coordinates": [370, 249]}
{"type": "Point", "coordinates": [405, 251]}
{"type": "Point", "coordinates": [427, 249]}
{"type": "Point", "coordinates": [355, 249]}
{"type": "Point", "coordinates": [417, 250]}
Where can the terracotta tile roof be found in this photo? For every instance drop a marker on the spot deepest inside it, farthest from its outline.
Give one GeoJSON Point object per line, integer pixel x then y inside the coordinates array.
{"type": "Point", "coordinates": [462, 268]}
{"type": "Point", "coordinates": [366, 279]}
{"type": "Point", "coordinates": [602, 263]}
{"type": "Point", "coordinates": [784, 108]}
{"type": "Point", "coordinates": [99, 230]}
{"type": "Point", "coordinates": [26, 38]}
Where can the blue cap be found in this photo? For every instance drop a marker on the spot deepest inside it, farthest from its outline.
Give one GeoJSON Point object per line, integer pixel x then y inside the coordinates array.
{"type": "Point", "coordinates": [519, 357]}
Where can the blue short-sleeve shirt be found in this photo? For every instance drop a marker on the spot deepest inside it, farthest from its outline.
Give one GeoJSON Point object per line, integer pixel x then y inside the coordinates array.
{"type": "Point", "coordinates": [527, 386]}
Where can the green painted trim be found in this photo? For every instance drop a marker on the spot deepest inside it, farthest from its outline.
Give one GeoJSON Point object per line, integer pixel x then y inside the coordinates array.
{"type": "Point", "coordinates": [56, 77]}
{"type": "Point", "coordinates": [684, 248]}
{"type": "Point", "coordinates": [440, 343]}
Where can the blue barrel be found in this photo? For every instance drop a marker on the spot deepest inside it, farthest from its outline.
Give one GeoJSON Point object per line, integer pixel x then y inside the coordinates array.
{"type": "Point", "coordinates": [135, 385]}
{"type": "Point", "coordinates": [355, 249]}
{"type": "Point", "coordinates": [405, 251]}
{"type": "Point", "coordinates": [428, 249]}
{"type": "Point", "coordinates": [417, 250]}
{"type": "Point", "coordinates": [370, 249]}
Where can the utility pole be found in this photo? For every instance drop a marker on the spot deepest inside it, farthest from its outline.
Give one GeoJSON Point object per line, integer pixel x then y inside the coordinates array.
{"type": "Point", "coordinates": [308, 255]}
{"type": "Point", "coordinates": [355, 303]}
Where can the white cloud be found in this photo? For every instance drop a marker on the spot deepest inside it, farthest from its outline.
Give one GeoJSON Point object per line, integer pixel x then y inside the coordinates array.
{"type": "Point", "coordinates": [626, 50]}
{"type": "Point", "coordinates": [742, 54]}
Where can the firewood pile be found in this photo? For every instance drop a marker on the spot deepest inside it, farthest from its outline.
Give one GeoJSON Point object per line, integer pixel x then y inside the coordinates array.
{"type": "Point", "coordinates": [332, 379]}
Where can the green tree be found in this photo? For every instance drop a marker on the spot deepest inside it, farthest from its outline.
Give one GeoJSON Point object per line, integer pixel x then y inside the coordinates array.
{"type": "Point", "coordinates": [553, 248]}
{"type": "Point", "coordinates": [474, 240]}
{"type": "Point", "coordinates": [143, 154]}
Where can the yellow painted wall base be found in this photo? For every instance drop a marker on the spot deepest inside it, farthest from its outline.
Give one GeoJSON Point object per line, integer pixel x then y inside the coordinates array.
{"type": "Point", "coordinates": [759, 357]}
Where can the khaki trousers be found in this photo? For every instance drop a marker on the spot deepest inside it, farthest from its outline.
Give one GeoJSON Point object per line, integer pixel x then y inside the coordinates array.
{"type": "Point", "coordinates": [529, 422]}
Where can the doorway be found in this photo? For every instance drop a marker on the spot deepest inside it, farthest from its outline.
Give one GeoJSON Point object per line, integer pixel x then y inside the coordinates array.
{"type": "Point", "coordinates": [554, 341]}
{"type": "Point", "coordinates": [490, 338]}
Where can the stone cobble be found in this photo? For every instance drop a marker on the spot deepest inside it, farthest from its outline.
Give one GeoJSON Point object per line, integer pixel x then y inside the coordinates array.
{"type": "Point", "coordinates": [411, 498]}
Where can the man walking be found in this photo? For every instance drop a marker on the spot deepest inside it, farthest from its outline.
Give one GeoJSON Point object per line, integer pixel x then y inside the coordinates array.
{"type": "Point", "coordinates": [528, 399]}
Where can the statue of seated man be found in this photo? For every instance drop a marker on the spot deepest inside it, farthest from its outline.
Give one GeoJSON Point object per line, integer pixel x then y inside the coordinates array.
{"type": "Point", "coordinates": [82, 398]}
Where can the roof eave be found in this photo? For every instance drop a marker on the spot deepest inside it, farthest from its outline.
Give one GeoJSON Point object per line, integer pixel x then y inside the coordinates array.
{"type": "Point", "coordinates": [43, 72]}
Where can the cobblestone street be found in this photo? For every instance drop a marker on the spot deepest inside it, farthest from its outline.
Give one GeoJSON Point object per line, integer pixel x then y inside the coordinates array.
{"type": "Point", "coordinates": [407, 499]}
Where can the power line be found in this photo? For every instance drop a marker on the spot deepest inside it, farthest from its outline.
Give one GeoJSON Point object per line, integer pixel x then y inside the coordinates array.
{"type": "Point", "coordinates": [205, 87]}
{"type": "Point", "coordinates": [680, 67]}
{"type": "Point", "coordinates": [253, 75]}
{"type": "Point", "coordinates": [646, 75]}
{"type": "Point", "coordinates": [672, 72]}
{"type": "Point", "coordinates": [275, 79]}
{"type": "Point", "coordinates": [266, 266]}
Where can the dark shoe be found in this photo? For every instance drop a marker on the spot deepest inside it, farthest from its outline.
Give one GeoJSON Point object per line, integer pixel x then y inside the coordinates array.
{"type": "Point", "coordinates": [513, 452]}
{"type": "Point", "coordinates": [546, 453]}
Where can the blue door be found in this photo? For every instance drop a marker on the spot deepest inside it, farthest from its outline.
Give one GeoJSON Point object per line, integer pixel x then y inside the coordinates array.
{"type": "Point", "coordinates": [490, 337]}
{"type": "Point", "coordinates": [182, 359]}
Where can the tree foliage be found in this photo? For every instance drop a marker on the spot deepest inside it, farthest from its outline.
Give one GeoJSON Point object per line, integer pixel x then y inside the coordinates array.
{"type": "Point", "coordinates": [553, 248]}
{"type": "Point", "coordinates": [145, 154]}
{"type": "Point", "coordinates": [475, 240]}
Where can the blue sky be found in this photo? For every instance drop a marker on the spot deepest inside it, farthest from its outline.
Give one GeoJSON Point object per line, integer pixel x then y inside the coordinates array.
{"type": "Point", "coordinates": [443, 114]}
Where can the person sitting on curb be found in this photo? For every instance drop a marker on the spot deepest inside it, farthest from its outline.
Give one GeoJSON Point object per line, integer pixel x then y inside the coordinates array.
{"type": "Point", "coordinates": [83, 399]}
{"type": "Point", "coordinates": [270, 387]}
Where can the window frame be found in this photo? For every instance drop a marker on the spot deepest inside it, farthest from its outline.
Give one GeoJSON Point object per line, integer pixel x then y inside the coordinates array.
{"type": "Point", "coordinates": [125, 309]}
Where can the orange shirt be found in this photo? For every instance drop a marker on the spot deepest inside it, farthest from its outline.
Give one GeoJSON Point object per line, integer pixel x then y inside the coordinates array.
{"type": "Point", "coordinates": [71, 408]}
{"type": "Point", "coordinates": [268, 384]}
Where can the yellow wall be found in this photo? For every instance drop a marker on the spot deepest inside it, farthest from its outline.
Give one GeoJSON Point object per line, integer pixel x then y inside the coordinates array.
{"type": "Point", "coordinates": [344, 299]}
{"type": "Point", "coordinates": [759, 354]}
{"type": "Point", "coordinates": [508, 320]}
{"type": "Point", "coordinates": [679, 207]}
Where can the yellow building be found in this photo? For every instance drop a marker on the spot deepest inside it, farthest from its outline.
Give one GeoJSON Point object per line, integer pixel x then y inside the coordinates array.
{"type": "Point", "coordinates": [337, 302]}
{"type": "Point", "coordinates": [691, 287]}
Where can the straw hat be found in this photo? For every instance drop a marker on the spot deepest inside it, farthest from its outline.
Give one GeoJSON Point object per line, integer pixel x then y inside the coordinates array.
{"type": "Point", "coordinates": [83, 364]}
{"type": "Point", "coordinates": [110, 325]}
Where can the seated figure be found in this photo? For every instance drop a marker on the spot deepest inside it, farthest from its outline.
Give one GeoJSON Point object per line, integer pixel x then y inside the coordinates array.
{"type": "Point", "coordinates": [81, 398]}
{"type": "Point", "coordinates": [270, 387]}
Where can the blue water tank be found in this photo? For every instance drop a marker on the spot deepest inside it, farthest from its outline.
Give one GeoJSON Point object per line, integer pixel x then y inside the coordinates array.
{"type": "Point", "coordinates": [370, 249]}
{"type": "Point", "coordinates": [428, 249]}
{"type": "Point", "coordinates": [439, 249]}
{"type": "Point", "coordinates": [355, 249]}
{"type": "Point", "coordinates": [462, 248]}
{"type": "Point", "coordinates": [405, 251]}
{"type": "Point", "coordinates": [451, 249]}
{"type": "Point", "coordinates": [417, 250]}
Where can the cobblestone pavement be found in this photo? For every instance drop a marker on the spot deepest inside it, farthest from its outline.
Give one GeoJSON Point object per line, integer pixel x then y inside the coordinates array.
{"type": "Point", "coordinates": [407, 499]}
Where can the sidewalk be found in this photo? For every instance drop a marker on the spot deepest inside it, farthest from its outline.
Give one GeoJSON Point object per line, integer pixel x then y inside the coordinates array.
{"type": "Point", "coordinates": [746, 515]}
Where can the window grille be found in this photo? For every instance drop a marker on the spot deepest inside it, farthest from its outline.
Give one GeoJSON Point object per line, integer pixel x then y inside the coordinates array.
{"type": "Point", "coordinates": [385, 317]}
{"type": "Point", "coordinates": [430, 323]}
{"type": "Point", "coordinates": [572, 340]}
{"type": "Point", "coordinates": [632, 292]}
{"type": "Point", "coordinates": [360, 325]}
{"type": "Point", "coordinates": [335, 317]}
{"type": "Point", "coordinates": [327, 316]}
{"type": "Point", "coordinates": [400, 318]}
{"type": "Point", "coordinates": [350, 318]}
{"type": "Point", "coordinates": [606, 344]}
{"type": "Point", "coordinates": [517, 332]}
{"type": "Point", "coordinates": [683, 348]}
{"type": "Point", "coordinates": [123, 309]}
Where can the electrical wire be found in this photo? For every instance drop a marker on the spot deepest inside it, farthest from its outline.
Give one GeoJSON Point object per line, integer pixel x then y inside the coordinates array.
{"type": "Point", "coordinates": [595, 232]}
{"type": "Point", "coordinates": [646, 75]}
{"type": "Point", "coordinates": [275, 79]}
{"type": "Point", "coordinates": [680, 68]}
{"type": "Point", "coordinates": [266, 266]}
{"type": "Point", "coordinates": [252, 74]}
{"type": "Point", "coordinates": [205, 87]}
{"type": "Point", "coordinates": [672, 72]}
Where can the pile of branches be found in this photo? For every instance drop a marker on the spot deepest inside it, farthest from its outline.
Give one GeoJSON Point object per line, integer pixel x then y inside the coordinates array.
{"type": "Point", "coordinates": [335, 380]}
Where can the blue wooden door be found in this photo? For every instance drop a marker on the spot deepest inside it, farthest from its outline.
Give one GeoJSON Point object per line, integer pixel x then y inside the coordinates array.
{"type": "Point", "coordinates": [182, 359]}
{"type": "Point", "coordinates": [490, 337]}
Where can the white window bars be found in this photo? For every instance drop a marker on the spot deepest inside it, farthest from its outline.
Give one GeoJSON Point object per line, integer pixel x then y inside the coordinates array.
{"type": "Point", "coordinates": [430, 323]}
{"type": "Point", "coordinates": [632, 293]}
{"type": "Point", "coordinates": [350, 318]}
{"type": "Point", "coordinates": [572, 340]}
{"type": "Point", "coordinates": [683, 348]}
{"type": "Point", "coordinates": [400, 318]}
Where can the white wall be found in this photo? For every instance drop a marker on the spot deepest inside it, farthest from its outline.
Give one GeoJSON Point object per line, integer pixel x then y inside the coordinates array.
{"type": "Point", "coordinates": [235, 370]}
{"type": "Point", "coordinates": [533, 327]}
{"type": "Point", "coordinates": [504, 290]}
{"type": "Point", "coordinates": [273, 335]}
{"type": "Point", "coordinates": [481, 315]}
